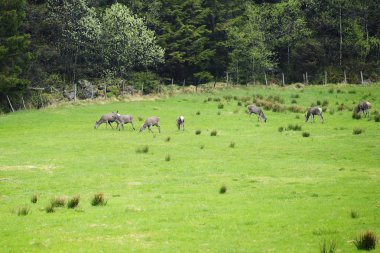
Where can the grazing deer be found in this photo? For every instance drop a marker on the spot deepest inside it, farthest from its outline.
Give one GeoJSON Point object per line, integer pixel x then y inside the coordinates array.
{"type": "Point", "coordinates": [256, 110]}
{"type": "Point", "coordinates": [149, 122]}
{"type": "Point", "coordinates": [363, 107]}
{"type": "Point", "coordinates": [124, 119]}
{"type": "Point", "coordinates": [107, 118]}
{"type": "Point", "coordinates": [312, 112]}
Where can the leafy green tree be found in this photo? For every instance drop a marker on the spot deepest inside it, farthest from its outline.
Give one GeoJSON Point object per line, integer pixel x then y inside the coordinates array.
{"type": "Point", "coordinates": [14, 54]}
{"type": "Point", "coordinates": [126, 42]}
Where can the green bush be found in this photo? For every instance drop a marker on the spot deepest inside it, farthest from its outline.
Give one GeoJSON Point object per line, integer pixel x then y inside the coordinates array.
{"type": "Point", "coordinates": [148, 79]}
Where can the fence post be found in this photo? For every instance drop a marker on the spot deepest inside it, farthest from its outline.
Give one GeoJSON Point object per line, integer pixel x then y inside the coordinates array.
{"type": "Point", "coordinates": [265, 76]}
{"type": "Point", "coordinates": [361, 77]}
{"type": "Point", "coordinates": [23, 102]}
{"type": "Point", "coordinates": [345, 77]}
{"type": "Point", "coordinates": [10, 104]}
{"type": "Point", "coordinates": [283, 78]}
{"type": "Point", "coordinates": [172, 82]}
{"type": "Point", "coordinates": [325, 77]}
{"type": "Point", "coordinates": [105, 91]}
{"type": "Point", "coordinates": [307, 79]}
{"type": "Point", "coordinates": [75, 91]}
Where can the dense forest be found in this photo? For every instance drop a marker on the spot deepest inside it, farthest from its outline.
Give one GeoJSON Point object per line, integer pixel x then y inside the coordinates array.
{"type": "Point", "coordinates": [50, 49]}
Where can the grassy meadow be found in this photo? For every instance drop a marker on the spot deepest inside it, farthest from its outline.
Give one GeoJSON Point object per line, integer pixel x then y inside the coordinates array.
{"type": "Point", "coordinates": [283, 192]}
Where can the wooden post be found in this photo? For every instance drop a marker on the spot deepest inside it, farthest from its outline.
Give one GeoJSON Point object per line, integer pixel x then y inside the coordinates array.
{"type": "Point", "coordinates": [304, 79]}
{"type": "Point", "coordinates": [172, 82]}
{"type": "Point", "coordinates": [266, 80]}
{"type": "Point", "coordinates": [307, 79]}
{"type": "Point", "coordinates": [105, 91]}
{"type": "Point", "coordinates": [92, 91]}
{"type": "Point", "coordinates": [142, 89]}
{"type": "Point", "coordinates": [42, 102]}
{"type": "Point", "coordinates": [10, 104]}
{"type": "Point", "coordinates": [75, 91]}
{"type": "Point", "coordinates": [325, 77]}
{"type": "Point", "coordinates": [227, 78]}
{"type": "Point", "coordinates": [345, 77]}
{"type": "Point", "coordinates": [283, 78]}
{"type": "Point", "coordinates": [361, 77]}
{"type": "Point", "coordinates": [183, 84]}
{"type": "Point", "coordinates": [23, 102]}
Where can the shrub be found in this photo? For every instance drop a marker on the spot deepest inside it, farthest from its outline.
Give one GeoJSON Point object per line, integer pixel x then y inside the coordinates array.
{"type": "Point", "coordinates": [220, 106]}
{"type": "Point", "coordinates": [98, 200]}
{"type": "Point", "coordinates": [294, 127]}
{"type": "Point", "coordinates": [280, 129]}
{"type": "Point", "coordinates": [319, 102]}
{"type": "Point", "coordinates": [366, 241]}
{"type": "Point", "coordinates": [58, 201]}
{"type": "Point", "coordinates": [73, 202]}
{"type": "Point", "coordinates": [214, 133]}
{"type": "Point", "coordinates": [34, 199]}
{"type": "Point", "coordinates": [354, 214]}
{"type": "Point", "coordinates": [223, 189]}
{"type": "Point", "coordinates": [277, 108]}
{"type": "Point", "coordinates": [232, 144]}
{"type": "Point", "coordinates": [198, 132]}
{"type": "Point", "coordinates": [227, 97]}
{"type": "Point", "coordinates": [305, 134]}
{"type": "Point", "coordinates": [141, 150]}
{"type": "Point", "coordinates": [328, 249]}
{"type": "Point", "coordinates": [357, 131]}
{"type": "Point", "coordinates": [22, 211]}
{"type": "Point", "coordinates": [167, 158]}
{"type": "Point", "coordinates": [49, 209]}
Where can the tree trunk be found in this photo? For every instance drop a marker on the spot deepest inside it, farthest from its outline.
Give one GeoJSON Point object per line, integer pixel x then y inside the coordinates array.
{"type": "Point", "coordinates": [340, 34]}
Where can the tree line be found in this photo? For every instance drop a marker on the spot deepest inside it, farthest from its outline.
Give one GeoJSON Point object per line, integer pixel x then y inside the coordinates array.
{"type": "Point", "coordinates": [54, 43]}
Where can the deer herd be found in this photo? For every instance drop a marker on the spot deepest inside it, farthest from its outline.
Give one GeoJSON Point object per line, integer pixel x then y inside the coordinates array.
{"type": "Point", "coordinates": [120, 120]}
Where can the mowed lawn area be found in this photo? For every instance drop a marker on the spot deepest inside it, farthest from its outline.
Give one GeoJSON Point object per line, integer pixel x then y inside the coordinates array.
{"type": "Point", "coordinates": [284, 192]}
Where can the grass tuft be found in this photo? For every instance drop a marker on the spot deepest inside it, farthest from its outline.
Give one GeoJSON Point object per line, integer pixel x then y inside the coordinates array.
{"type": "Point", "coordinates": [357, 131]}
{"type": "Point", "coordinates": [280, 129]}
{"type": "Point", "coordinates": [167, 158]}
{"type": "Point", "coordinates": [198, 113]}
{"type": "Point", "coordinates": [354, 214]}
{"type": "Point", "coordinates": [232, 144]}
{"type": "Point", "coordinates": [58, 201]}
{"type": "Point", "coordinates": [49, 209]}
{"type": "Point", "coordinates": [140, 118]}
{"type": "Point", "coordinates": [305, 134]}
{"type": "Point", "coordinates": [220, 106]}
{"type": "Point", "coordinates": [202, 146]}
{"type": "Point", "coordinates": [214, 133]}
{"type": "Point", "coordinates": [34, 199]}
{"type": "Point", "coordinates": [167, 139]}
{"type": "Point", "coordinates": [198, 132]}
{"type": "Point", "coordinates": [294, 127]}
{"type": "Point", "coordinates": [23, 211]}
{"type": "Point", "coordinates": [142, 150]}
{"type": "Point", "coordinates": [366, 241]}
{"type": "Point", "coordinates": [73, 202]}
{"type": "Point", "coordinates": [98, 200]}
{"type": "Point", "coordinates": [324, 248]}
{"type": "Point", "coordinates": [223, 189]}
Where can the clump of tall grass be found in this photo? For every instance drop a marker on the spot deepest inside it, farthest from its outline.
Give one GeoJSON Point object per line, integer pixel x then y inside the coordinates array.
{"type": "Point", "coordinates": [294, 101]}
{"type": "Point", "coordinates": [352, 92]}
{"type": "Point", "coordinates": [167, 158]}
{"type": "Point", "coordinates": [239, 103]}
{"type": "Point", "coordinates": [357, 131]}
{"type": "Point", "coordinates": [23, 211]}
{"type": "Point", "coordinates": [325, 103]}
{"type": "Point", "coordinates": [294, 127]}
{"type": "Point", "coordinates": [220, 106]}
{"type": "Point", "coordinates": [366, 241]}
{"type": "Point", "coordinates": [280, 129]}
{"type": "Point", "coordinates": [140, 118]}
{"type": "Point", "coordinates": [73, 202]}
{"type": "Point", "coordinates": [294, 96]}
{"type": "Point", "coordinates": [341, 107]}
{"type": "Point", "coordinates": [143, 150]}
{"type": "Point", "coordinates": [198, 132]}
{"type": "Point", "coordinates": [202, 146]}
{"type": "Point", "coordinates": [232, 144]}
{"type": "Point", "coordinates": [306, 134]}
{"type": "Point", "coordinates": [218, 113]}
{"type": "Point", "coordinates": [324, 248]}
{"type": "Point", "coordinates": [34, 199]}
{"type": "Point", "coordinates": [58, 201]}
{"type": "Point", "coordinates": [98, 200]}
{"type": "Point", "coordinates": [198, 113]}
{"type": "Point", "coordinates": [167, 139]}
{"type": "Point", "coordinates": [356, 115]}
{"type": "Point", "coordinates": [49, 209]}
{"type": "Point", "coordinates": [236, 111]}
{"type": "Point", "coordinates": [354, 214]}
{"type": "Point", "coordinates": [214, 133]}
{"type": "Point", "coordinates": [331, 90]}
{"type": "Point", "coordinates": [295, 108]}
{"type": "Point", "coordinates": [223, 189]}
{"type": "Point", "coordinates": [216, 99]}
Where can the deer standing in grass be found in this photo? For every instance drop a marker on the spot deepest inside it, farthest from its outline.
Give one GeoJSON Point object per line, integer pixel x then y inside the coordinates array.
{"type": "Point", "coordinates": [149, 122]}
{"type": "Point", "coordinates": [312, 112]}
{"type": "Point", "coordinates": [107, 118]}
{"type": "Point", "coordinates": [181, 122]}
{"type": "Point", "coordinates": [363, 107]}
{"type": "Point", "coordinates": [253, 109]}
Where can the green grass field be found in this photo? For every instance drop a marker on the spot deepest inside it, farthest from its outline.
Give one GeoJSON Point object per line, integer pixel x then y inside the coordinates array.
{"type": "Point", "coordinates": [285, 192]}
